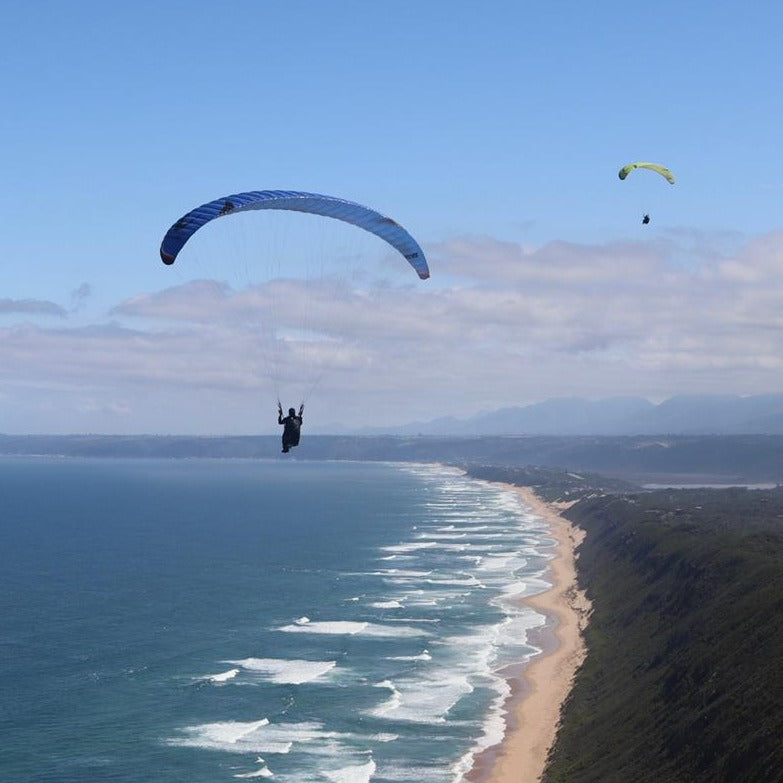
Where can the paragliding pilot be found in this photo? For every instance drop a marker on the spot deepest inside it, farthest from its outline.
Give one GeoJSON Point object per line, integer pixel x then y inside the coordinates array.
{"type": "Point", "coordinates": [292, 425]}
{"type": "Point", "coordinates": [645, 220]}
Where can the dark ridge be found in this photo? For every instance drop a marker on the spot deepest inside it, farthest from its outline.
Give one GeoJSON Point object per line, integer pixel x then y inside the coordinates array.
{"type": "Point", "coordinates": [683, 680]}
{"type": "Point", "coordinates": [716, 459]}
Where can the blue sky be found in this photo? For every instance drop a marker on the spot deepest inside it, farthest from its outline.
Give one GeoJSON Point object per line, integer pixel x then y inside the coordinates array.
{"type": "Point", "coordinates": [493, 132]}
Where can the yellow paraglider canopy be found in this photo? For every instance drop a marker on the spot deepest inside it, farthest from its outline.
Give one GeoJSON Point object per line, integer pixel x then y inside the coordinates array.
{"type": "Point", "coordinates": [662, 170]}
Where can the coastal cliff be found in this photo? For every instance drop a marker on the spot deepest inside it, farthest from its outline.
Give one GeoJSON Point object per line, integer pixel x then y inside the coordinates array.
{"type": "Point", "coordinates": [683, 679]}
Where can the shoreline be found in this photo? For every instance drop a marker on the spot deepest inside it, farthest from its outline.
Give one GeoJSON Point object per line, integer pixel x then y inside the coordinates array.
{"type": "Point", "coordinates": [539, 689]}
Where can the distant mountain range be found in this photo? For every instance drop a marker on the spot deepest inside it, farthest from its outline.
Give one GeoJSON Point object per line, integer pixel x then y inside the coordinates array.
{"type": "Point", "coordinates": [683, 415]}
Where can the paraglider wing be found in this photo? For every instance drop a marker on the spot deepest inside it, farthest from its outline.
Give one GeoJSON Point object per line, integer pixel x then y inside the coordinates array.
{"type": "Point", "coordinates": [662, 170]}
{"type": "Point", "coordinates": [313, 203]}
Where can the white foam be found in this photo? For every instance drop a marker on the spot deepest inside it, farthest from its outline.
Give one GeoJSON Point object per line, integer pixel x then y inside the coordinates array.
{"type": "Point", "coordinates": [467, 581]}
{"type": "Point", "coordinates": [357, 774]}
{"type": "Point", "coordinates": [234, 731]}
{"type": "Point", "coordinates": [462, 766]}
{"type": "Point", "coordinates": [429, 694]}
{"type": "Point", "coordinates": [514, 631]}
{"type": "Point", "coordinates": [516, 590]}
{"type": "Point", "coordinates": [234, 737]}
{"type": "Point", "coordinates": [442, 536]}
{"type": "Point", "coordinates": [412, 547]}
{"type": "Point", "coordinates": [264, 772]}
{"type": "Point", "coordinates": [386, 605]}
{"type": "Point", "coordinates": [252, 737]}
{"type": "Point", "coordinates": [428, 597]}
{"type": "Point", "coordinates": [222, 677]}
{"type": "Point", "coordinates": [405, 773]}
{"type": "Point", "coordinates": [491, 536]}
{"type": "Point", "coordinates": [397, 631]}
{"type": "Point", "coordinates": [285, 672]}
{"type": "Point", "coordinates": [349, 627]}
{"type": "Point", "coordinates": [422, 656]}
{"type": "Point", "coordinates": [392, 703]}
{"type": "Point", "coordinates": [444, 547]}
{"type": "Point", "coordinates": [400, 573]}
{"type": "Point", "coordinates": [493, 731]}
{"type": "Point", "coordinates": [424, 699]}
{"type": "Point", "coordinates": [501, 561]}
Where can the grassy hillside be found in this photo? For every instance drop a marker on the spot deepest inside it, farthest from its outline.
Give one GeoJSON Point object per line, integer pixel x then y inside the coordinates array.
{"type": "Point", "coordinates": [684, 675]}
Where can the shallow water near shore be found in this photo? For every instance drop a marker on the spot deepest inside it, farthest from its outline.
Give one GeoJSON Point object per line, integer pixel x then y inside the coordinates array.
{"type": "Point", "coordinates": [176, 620]}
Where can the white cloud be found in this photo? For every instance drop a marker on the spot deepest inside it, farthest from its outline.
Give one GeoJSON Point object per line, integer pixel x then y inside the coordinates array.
{"type": "Point", "coordinates": [498, 324]}
{"type": "Point", "coordinates": [31, 307]}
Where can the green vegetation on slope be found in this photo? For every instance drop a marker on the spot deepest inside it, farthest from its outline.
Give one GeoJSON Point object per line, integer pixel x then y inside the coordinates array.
{"type": "Point", "coordinates": [551, 483]}
{"type": "Point", "coordinates": [683, 679]}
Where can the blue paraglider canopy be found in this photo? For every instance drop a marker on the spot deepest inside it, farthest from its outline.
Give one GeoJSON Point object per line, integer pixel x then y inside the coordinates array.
{"type": "Point", "coordinates": [328, 206]}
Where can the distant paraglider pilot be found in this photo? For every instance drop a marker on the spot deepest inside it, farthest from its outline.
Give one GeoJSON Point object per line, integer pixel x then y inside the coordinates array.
{"type": "Point", "coordinates": [292, 426]}
{"type": "Point", "coordinates": [646, 220]}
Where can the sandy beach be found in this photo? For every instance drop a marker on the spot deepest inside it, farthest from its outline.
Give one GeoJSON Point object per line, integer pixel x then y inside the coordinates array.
{"type": "Point", "coordinates": [540, 688]}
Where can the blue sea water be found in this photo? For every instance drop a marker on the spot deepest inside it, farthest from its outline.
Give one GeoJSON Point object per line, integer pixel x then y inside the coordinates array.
{"type": "Point", "coordinates": [207, 621]}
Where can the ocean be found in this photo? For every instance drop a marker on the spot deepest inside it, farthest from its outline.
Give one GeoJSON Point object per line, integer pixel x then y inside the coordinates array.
{"type": "Point", "coordinates": [222, 620]}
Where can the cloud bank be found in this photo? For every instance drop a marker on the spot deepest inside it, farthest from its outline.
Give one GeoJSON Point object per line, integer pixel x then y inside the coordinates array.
{"type": "Point", "coordinates": [31, 307]}
{"type": "Point", "coordinates": [498, 324]}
